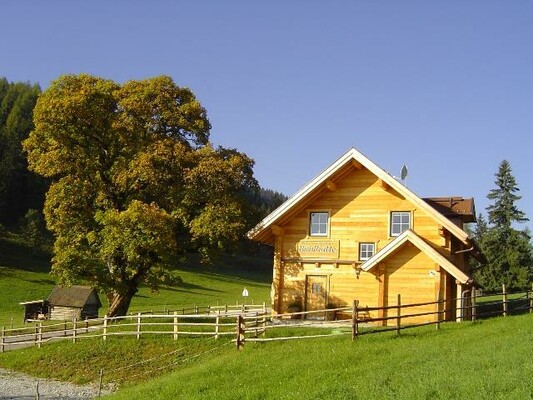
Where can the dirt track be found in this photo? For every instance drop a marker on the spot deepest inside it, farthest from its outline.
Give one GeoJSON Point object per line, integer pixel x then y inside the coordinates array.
{"type": "Point", "coordinates": [14, 385]}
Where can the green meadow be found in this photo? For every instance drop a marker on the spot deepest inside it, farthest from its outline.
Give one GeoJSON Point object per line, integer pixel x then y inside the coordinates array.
{"type": "Point", "coordinates": [492, 359]}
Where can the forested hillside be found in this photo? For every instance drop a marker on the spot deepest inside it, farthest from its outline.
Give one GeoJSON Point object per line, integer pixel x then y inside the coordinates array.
{"type": "Point", "coordinates": [20, 190]}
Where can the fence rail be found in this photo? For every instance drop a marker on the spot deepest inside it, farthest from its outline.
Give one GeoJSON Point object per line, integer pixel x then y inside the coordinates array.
{"type": "Point", "coordinates": [250, 323]}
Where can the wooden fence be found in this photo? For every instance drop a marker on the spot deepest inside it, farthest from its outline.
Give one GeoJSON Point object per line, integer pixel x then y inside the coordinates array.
{"type": "Point", "coordinates": [250, 323]}
{"type": "Point", "coordinates": [358, 320]}
{"type": "Point", "coordinates": [219, 322]}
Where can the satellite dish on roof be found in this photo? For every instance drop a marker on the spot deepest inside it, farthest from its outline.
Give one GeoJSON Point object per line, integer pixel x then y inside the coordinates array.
{"type": "Point", "coordinates": [404, 172]}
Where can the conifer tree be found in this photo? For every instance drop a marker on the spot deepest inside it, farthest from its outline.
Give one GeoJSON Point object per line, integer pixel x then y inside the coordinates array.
{"type": "Point", "coordinates": [508, 250]}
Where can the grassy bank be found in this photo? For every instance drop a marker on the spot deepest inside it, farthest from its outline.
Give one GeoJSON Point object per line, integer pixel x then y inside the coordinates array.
{"type": "Point", "coordinates": [491, 359]}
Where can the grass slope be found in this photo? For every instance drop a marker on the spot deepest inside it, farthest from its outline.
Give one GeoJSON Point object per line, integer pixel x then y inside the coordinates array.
{"type": "Point", "coordinates": [24, 276]}
{"type": "Point", "coordinates": [208, 286]}
{"type": "Point", "coordinates": [491, 359]}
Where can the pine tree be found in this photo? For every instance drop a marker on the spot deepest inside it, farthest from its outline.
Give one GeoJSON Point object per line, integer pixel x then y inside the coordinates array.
{"type": "Point", "coordinates": [508, 250]}
{"type": "Point", "coordinates": [504, 211]}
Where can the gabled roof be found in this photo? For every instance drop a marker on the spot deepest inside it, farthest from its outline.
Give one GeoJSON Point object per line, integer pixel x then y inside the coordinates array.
{"type": "Point", "coordinates": [73, 296]}
{"type": "Point", "coordinates": [261, 231]}
{"type": "Point", "coordinates": [412, 237]}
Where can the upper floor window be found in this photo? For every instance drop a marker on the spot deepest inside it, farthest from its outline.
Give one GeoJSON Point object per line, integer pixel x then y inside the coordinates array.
{"type": "Point", "coordinates": [400, 221]}
{"type": "Point", "coordinates": [318, 224]}
{"type": "Point", "coordinates": [366, 250]}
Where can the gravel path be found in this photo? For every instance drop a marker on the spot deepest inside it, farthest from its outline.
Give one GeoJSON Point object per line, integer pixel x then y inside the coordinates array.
{"type": "Point", "coordinates": [14, 385]}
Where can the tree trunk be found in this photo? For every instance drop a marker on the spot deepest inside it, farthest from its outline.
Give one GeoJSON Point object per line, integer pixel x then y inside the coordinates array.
{"type": "Point", "coordinates": [119, 302]}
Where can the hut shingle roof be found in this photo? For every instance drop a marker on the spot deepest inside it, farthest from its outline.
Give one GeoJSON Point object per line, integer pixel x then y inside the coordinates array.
{"type": "Point", "coordinates": [73, 296]}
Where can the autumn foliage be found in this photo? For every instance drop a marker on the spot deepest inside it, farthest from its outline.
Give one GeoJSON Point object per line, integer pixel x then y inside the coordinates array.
{"type": "Point", "coordinates": [135, 181]}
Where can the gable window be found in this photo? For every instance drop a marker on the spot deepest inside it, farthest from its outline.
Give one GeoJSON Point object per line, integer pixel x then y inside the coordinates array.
{"type": "Point", "coordinates": [366, 250]}
{"type": "Point", "coordinates": [318, 224]}
{"type": "Point", "coordinates": [400, 221]}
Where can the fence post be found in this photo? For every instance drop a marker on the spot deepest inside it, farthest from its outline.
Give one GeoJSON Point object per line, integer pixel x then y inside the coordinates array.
{"type": "Point", "coordinates": [86, 325]}
{"type": "Point", "coordinates": [36, 334]}
{"type": "Point", "coordinates": [100, 380]}
{"type": "Point", "coordinates": [474, 311]}
{"type": "Point", "coordinates": [439, 311]}
{"type": "Point", "coordinates": [531, 299]}
{"type": "Point", "coordinates": [264, 320]}
{"type": "Point", "coordinates": [504, 300]}
{"type": "Point", "coordinates": [138, 326]}
{"type": "Point", "coordinates": [104, 333]}
{"type": "Point", "coordinates": [74, 328]}
{"type": "Point", "coordinates": [65, 328]}
{"type": "Point", "coordinates": [355, 317]}
{"type": "Point", "coordinates": [240, 332]}
{"type": "Point", "coordinates": [398, 314]}
{"type": "Point", "coordinates": [217, 326]}
{"type": "Point", "coordinates": [2, 339]}
{"type": "Point", "coordinates": [40, 335]}
{"type": "Point", "coordinates": [175, 325]}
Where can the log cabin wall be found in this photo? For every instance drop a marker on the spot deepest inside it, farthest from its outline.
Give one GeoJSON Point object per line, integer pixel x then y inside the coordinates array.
{"type": "Point", "coordinates": [62, 313]}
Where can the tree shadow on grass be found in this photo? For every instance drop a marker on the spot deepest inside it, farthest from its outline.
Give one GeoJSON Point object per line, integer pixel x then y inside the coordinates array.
{"type": "Point", "coordinates": [16, 255]}
{"type": "Point", "coordinates": [190, 287]}
{"type": "Point", "coordinates": [41, 281]}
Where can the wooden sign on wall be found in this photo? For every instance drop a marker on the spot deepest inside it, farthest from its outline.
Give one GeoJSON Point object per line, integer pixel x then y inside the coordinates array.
{"type": "Point", "coordinates": [318, 249]}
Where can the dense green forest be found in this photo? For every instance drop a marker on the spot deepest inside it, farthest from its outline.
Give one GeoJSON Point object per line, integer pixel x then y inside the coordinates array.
{"type": "Point", "coordinates": [20, 189]}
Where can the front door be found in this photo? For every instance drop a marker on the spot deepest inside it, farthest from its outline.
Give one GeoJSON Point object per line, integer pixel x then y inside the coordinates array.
{"type": "Point", "coordinates": [315, 295]}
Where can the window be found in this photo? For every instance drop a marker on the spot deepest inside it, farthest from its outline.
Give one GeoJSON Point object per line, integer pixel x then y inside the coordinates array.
{"type": "Point", "coordinates": [400, 221]}
{"type": "Point", "coordinates": [318, 224]}
{"type": "Point", "coordinates": [366, 250]}
{"type": "Point", "coordinates": [316, 288]}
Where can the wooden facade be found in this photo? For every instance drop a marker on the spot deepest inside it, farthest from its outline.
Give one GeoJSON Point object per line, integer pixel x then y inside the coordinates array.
{"type": "Point", "coordinates": [354, 232]}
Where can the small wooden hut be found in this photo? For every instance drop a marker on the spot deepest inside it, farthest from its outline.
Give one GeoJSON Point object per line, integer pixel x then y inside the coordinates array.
{"type": "Point", "coordinates": [80, 302]}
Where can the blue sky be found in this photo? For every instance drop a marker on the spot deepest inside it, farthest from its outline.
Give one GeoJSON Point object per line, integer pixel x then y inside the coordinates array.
{"type": "Point", "coordinates": [444, 87]}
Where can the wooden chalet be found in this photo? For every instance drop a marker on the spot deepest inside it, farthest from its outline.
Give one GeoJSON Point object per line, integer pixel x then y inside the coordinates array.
{"type": "Point", "coordinates": [355, 232]}
{"type": "Point", "coordinates": [67, 303]}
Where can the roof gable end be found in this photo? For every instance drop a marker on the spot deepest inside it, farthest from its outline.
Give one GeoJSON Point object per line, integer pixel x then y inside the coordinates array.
{"type": "Point", "coordinates": [412, 237]}
{"type": "Point", "coordinates": [262, 230]}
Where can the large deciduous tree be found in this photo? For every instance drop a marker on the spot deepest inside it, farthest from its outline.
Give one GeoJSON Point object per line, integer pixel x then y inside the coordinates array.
{"type": "Point", "coordinates": [135, 181]}
{"type": "Point", "coordinates": [508, 250]}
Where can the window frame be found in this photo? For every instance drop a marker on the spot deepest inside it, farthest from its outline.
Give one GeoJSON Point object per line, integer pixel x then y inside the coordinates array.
{"type": "Point", "coordinates": [392, 224]}
{"type": "Point", "coordinates": [361, 244]}
{"type": "Point", "coordinates": [310, 224]}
